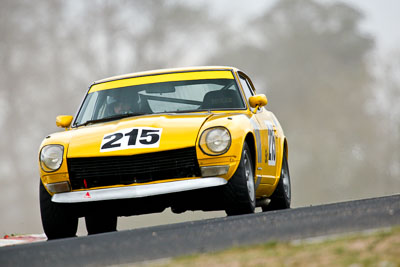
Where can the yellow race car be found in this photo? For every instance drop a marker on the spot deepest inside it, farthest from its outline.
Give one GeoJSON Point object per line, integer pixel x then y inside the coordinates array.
{"type": "Point", "coordinates": [189, 139]}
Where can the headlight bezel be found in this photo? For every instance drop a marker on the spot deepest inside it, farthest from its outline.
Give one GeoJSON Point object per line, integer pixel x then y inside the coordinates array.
{"type": "Point", "coordinates": [203, 144]}
{"type": "Point", "coordinates": [42, 160]}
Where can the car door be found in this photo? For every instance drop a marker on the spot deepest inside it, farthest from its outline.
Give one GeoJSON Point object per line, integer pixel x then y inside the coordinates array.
{"type": "Point", "coordinates": [266, 137]}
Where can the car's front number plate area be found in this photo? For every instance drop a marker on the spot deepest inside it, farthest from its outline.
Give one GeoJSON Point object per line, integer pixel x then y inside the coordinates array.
{"type": "Point", "coordinates": [137, 137]}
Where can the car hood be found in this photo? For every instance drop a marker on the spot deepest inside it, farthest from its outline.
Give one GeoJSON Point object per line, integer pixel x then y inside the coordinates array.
{"type": "Point", "coordinates": [174, 131]}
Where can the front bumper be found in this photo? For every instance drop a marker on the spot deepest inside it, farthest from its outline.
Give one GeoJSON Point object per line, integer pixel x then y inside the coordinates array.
{"type": "Point", "coordinates": [137, 191]}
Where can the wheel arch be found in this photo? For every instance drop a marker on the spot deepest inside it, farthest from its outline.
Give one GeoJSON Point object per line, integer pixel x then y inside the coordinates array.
{"type": "Point", "coordinates": [285, 148]}
{"type": "Point", "coordinates": [250, 140]}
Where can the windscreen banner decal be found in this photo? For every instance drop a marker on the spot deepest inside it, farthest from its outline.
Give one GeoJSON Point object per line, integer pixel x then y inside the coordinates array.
{"type": "Point", "coordinates": [136, 137]}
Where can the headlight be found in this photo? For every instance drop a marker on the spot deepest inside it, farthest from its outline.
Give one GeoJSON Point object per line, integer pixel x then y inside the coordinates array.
{"type": "Point", "coordinates": [215, 141]}
{"type": "Point", "coordinates": [51, 157]}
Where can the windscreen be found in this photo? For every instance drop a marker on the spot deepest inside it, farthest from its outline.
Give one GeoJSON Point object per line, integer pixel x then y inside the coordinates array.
{"type": "Point", "coordinates": [164, 97]}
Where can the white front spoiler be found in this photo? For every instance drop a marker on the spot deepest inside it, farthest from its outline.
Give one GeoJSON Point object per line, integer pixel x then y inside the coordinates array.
{"type": "Point", "coordinates": [137, 191]}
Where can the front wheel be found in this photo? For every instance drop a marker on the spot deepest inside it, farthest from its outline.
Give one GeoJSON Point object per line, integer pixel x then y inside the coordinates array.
{"type": "Point", "coordinates": [281, 197]}
{"type": "Point", "coordinates": [101, 223]}
{"type": "Point", "coordinates": [58, 219]}
{"type": "Point", "coordinates": [240, 190]}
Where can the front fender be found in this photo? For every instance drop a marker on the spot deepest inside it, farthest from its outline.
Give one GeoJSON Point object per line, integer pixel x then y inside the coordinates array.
{"type": "Point", "coordinates": [239, 126]}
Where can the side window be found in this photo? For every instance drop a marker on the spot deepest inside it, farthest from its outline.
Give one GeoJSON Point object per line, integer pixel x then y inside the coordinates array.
{"type": "Point", "coordinates": [247, 89]}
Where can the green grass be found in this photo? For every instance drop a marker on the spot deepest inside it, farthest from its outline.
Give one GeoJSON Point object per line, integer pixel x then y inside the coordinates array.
{"type": "Point", "coordinates": [379, 248]}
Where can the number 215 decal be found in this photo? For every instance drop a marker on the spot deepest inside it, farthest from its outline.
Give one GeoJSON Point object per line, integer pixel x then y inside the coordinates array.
{"type": "Point", "coordinates": [271, 155]}
{"type": "Point", "coordinates": [136, 137]}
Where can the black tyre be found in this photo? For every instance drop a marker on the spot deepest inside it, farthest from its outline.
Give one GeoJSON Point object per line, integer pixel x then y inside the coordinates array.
{"type": "Point", "coordinates": [281, 198]}
{"type": "Point", "coordinates": [99, 223]}
{"type": "Point", "coordinates": [58, 220]}
{"type": "Point", "coordinates": [240, 191]}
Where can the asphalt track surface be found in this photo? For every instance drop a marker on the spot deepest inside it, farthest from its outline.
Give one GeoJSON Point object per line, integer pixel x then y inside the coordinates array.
{"type": "Point", "coordinates": [208, 235]}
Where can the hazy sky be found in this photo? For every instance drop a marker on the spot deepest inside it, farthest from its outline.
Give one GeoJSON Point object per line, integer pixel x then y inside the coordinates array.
{"type": "Point", "coordinates": [381, 17]}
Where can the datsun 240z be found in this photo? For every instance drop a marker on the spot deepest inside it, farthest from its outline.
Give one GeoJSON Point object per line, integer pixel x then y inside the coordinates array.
{"type": "Point", "coordinates": [186, 139]}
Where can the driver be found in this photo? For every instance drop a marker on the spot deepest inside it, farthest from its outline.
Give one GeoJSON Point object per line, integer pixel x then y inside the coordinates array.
{"type": "Point", "coordinates": [122, 107]}
{"type": "Point", "coordinates": [124, 102]}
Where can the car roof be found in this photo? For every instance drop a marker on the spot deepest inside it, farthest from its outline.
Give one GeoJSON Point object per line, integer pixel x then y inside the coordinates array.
{"type": "Point", "coordinates": [163, 71]}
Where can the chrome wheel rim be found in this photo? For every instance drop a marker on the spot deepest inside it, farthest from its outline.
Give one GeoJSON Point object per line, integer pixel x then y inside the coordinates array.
{"type": "Point", "coordinates": [249, 177]}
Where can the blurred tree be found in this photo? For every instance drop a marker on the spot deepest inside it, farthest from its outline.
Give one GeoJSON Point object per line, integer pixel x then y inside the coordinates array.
{"type": "Point", "coordinates": [311, 58]}
{"type": "Point", "coordinates": [386, 110]}
{"type": "Point", "coordinates": [50, 51]}
{"type": "Point", "coordinates": [310, 55]}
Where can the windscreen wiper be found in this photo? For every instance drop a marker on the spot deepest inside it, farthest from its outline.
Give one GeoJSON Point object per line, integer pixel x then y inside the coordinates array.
{"type": "Point", "coordinates": [111, 118]}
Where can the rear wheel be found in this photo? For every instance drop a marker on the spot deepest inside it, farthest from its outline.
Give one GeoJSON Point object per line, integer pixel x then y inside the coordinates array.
{"type": "Point", "coordinates": [281, 198]}
{"type": "Point", "coordinates": [99, 223]}
{"type": "Point", "coordinates": [240, 190]}
{"type": "Point", "coordinates": [58, 220]}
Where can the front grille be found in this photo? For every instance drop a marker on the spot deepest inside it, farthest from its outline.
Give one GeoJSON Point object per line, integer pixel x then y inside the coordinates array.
{"type": "Point", "coordinates": [122, 170]}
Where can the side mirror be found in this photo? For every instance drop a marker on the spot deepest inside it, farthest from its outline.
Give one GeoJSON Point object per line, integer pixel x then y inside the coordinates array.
{"type": "Point", "coordinates": [64, 121]}
{"type": "Point", "coordinates": [258, 100]}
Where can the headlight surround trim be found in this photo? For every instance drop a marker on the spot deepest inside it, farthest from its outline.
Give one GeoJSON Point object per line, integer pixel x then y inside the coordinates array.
{"type": "Point", "coordinates": [206, 140]}
{"type": "Point", "coordinates": [51, 157]}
